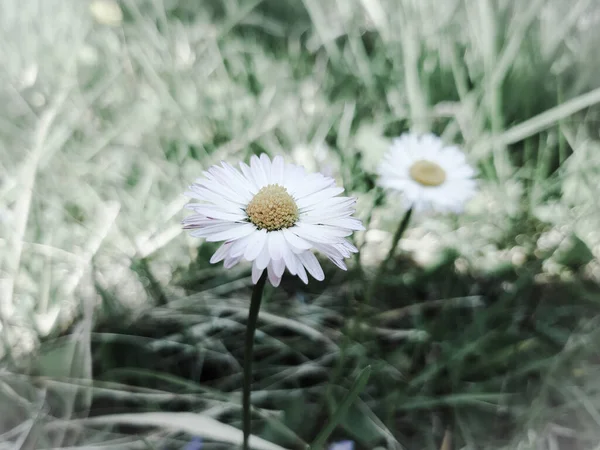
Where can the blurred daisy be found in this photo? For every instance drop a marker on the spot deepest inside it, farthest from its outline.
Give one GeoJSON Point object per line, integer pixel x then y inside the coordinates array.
{"type": "Point", "coordinates": [273, 214]}
{"type": "Point", "coordinates": [430, 175]}
{"type": "Point", "coordinates": [106, 12]}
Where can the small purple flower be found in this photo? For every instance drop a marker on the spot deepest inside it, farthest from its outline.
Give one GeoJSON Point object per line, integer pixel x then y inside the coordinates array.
{"type": "Point", "coordinates": [342, 445]}
{"type": "Point", "coordinates": [194, 444]}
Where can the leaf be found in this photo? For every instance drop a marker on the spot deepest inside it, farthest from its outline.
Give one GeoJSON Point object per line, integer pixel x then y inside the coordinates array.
{"type": "Point", "coordinates": [340, 413]}
{"type": "Point", "coordinates": [299, 416]}
{"type": "Point", "coordinates": [573, 252]}
{"type": "Point", "coordinates": [359, 424]}
{"type": "Point", "coordinates": [447, 442]}
{"type": "Point", "coordinates": [194, 424]}
{"type": "Point", "coordinates": [54, 360]}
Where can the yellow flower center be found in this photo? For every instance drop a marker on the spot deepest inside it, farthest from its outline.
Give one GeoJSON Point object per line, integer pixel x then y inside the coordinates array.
{"type": "Point", "coordinates": [427, 173]}
{"type": "Point", "coordinates": [272, 208]}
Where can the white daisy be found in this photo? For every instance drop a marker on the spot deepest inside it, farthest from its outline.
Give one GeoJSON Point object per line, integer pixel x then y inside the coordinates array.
{"type": "Point", "coordinates": [431, 175]}
{"type": "Point", "coordinates": [273, 214]}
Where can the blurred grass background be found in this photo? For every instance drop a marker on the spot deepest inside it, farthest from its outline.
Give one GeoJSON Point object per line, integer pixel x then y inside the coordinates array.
{"type": "Point", "coordinates": [486, 326]}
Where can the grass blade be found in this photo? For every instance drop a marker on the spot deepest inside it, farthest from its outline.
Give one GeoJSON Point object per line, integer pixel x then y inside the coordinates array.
{"type": "Point", "coordinates": [194, 424]}
{"type": "Point", "coordinates": [355, 391]}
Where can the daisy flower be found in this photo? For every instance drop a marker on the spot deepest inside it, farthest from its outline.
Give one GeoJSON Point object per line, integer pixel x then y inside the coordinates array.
{"type": "Point", "coordinates": [431, 175]}
{"type": "Point", "coordinates": [106, 12]}
{"type": "Point", "coordinates": [273, 214]}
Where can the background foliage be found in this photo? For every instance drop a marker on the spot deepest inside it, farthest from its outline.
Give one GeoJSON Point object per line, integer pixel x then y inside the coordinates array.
{"type": "Point", "coordinates": [486, 325]}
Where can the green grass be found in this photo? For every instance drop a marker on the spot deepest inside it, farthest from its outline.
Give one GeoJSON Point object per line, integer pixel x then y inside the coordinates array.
{"type": "Point", "coordinates": [485, 324]}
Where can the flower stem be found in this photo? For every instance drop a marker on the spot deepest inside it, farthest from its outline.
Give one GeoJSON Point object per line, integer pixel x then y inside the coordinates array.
{"type": "Point", "coordinates": [257, 294]}
{"type": "Point", "coordinates": [381, 269]}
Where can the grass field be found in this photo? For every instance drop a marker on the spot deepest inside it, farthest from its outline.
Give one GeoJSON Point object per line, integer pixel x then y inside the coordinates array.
{"type": "Point", "coordinates": [483, 333]}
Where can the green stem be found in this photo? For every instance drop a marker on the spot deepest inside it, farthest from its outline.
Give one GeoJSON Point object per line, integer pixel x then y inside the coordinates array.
{"type": "Point", "coordinates": [257, 294]}
{"type": "Point", "coordinates": [381, 270]}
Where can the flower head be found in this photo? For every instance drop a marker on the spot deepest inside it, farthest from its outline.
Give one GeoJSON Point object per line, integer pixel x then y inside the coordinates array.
{"type": "Point", "coordinates": [431, 176]}
{"type": "Point", "coordinates": [273, 214]}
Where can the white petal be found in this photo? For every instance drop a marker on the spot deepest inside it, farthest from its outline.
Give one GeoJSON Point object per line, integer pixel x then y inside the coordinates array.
{"type": "Point", "coordinates": [331, 205]}
{"type": "Point", "coordinates": [208, 195]}
{"type": "Point", "coordinates": [231, 261]}
{"type": "Point", "coordinates": [255, 246]}
{"type": "Point", "coordinates": [211, 230]}
{"type": "Point", "coordinates": [347, 223]}
{"type": "Point", "coordinates": [221, 253]}
{"type": "Point", "coordinates": [301, 272]}
{"type": "Point", "coordinates": [324, 219]}
{"type": "Point", "coordinates": [225, 191]}
{"type": "Point", "coordinates": [278, 267]}
{"type": "Point", "coordinates": [333, 250]}
{"type": "Point", "coordinates": [256, 273]}
{"type": "Point", "coordinates": [312, 265]}
{"type": "Point", "coordinates": [229, 180]}
{"type": "Point", "coordinates": [293, 178]}
{"type": "Point", "coordinates": [200, 221]}
{"type": "Point", "coordinates": [339, 262]}
{"type": "Point", "coordinates": [276, 242]}
{"type": "Point", "coordinates": [320, 215]}
{"type": "Point", "coordinates": [237, 232]}
{"type": "Point", "coordinates": [216, 213]}
{"type": "Point", "coordinates": [277, 170]}
{"type": "Point", "coordinates": [266, 164]}
{"type": "Point", "coordinates": [349, 246]}
{"type": "Point", "coordinates": [320, 233]}
{"type": "Point", "coordinates": [290, 260]}
{"type": "Point", "coordinates": [247, 172]}
{"type": "Point", "coordinates": [263, 258]}
{"type": "Point", "coordinates": [461, 172]}
{"type": "Point", "coordinates": [310, 184]}
{"type": "Point", "coordinates": [298, 244]}
{"type": "Point", "coordinates": [396, 183]}
{"type": "Point", "coordinates": [238, 247]}
{"type": "Point", "coordinates": [258, 173]}
{"type": "Point", "coordinates": [325, 216]}
{"type": "Point", "coordinates": [319, 196]}
{"type": "Point", "coordinates": [273, 278]}
{"type": "Point", "coordinates": [241, 182]}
